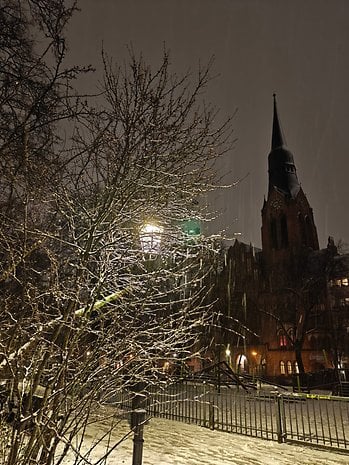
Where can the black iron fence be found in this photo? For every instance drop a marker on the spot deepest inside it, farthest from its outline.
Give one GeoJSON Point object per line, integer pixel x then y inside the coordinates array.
{"type": "Point", "coordinates": [307, 418]}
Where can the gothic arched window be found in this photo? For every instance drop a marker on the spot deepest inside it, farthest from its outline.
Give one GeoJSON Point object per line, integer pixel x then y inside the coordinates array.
{"type": "Point", "coordinates": [282, 367]}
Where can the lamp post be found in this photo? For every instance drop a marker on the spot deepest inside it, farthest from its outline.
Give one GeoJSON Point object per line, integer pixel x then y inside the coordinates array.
{"type": "Point", "coordinates": [137, 422]}
{"type": "Point", "coordinates": [150, 239]}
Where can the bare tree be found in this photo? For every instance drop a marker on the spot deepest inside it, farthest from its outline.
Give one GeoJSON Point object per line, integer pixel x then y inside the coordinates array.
{"type": "Point", "coordinates": [100, 281]}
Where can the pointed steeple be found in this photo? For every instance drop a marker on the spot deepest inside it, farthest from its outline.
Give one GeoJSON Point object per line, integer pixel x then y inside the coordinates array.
{"type": "Point", "coordinates": [278, 138]}
{"type": "Point", "coordinates": [282, 170]}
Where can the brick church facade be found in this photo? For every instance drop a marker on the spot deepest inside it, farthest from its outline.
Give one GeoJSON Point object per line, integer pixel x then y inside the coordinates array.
{"type": "Point", "coordinates": [284, 308]}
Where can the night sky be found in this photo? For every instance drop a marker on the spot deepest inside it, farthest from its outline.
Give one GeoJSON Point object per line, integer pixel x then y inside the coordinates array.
{"type": "Point", "coordinates": [298, 49]}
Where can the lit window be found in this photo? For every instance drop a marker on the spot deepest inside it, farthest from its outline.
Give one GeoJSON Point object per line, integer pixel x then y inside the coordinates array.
{"type": "Point", "coordinates": [282, 368]}
{"type": "Point", "coordinates": [289, 367]}
{"type": "Point", "coordinates": [282, 340]}
{"type": "Point", "coordinates": [345, 282]}
{"type": "Point", "coordinates": [296, 369]}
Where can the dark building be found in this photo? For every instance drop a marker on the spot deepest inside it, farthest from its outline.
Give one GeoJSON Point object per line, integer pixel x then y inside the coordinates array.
{"type": "Point", "coordinates": [285, 308]}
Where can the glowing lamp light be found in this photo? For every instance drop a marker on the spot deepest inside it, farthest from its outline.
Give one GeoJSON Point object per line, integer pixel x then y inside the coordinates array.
{"type": "Point", "coordinates": [150, 237]}
{"type": "Point", "coordinates": [228, 353]}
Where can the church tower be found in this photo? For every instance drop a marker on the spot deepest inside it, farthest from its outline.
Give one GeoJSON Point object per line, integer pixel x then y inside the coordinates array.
{"type": "Point", "coordinates": [288, 228]}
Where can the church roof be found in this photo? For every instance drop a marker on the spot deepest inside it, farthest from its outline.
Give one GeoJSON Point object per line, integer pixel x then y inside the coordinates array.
{"type": "Point", "coordinates": [278, 138]}
{"type": "Point", "coordinates": [282, 170]}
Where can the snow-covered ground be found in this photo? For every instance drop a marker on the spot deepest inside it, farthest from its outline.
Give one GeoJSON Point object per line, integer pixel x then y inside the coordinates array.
{"type": "Point", "coordinates": [172, 443]}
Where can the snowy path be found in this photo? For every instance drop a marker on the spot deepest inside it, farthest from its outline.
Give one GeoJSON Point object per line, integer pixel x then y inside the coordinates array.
{"type": "Point", "coordinates": [172, 443]}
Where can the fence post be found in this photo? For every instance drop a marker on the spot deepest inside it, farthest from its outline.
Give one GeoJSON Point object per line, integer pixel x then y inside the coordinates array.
{"type": "Point", "coordinates": [211, 415]}
{"type": "Point", "coordinates": [279, 418]}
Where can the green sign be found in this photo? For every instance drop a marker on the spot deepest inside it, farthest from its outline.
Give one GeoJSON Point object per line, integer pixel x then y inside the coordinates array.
{"type": "Point", "coordinates": [192, 227]}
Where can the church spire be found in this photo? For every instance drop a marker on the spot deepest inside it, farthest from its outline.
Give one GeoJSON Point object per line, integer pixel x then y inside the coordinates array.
{"type": "Point", "coordinates": [282, 170]}
{"type": "Point", "coordinates": [278, 138]}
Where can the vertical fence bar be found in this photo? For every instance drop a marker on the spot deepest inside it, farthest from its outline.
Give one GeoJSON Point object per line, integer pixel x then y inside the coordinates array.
{"type": "Point", "coordinates": [259, 417]}
{"type": "Point", "coordinates": [315, 419]}
{"type": "Point", "coordinates": [307, 402]}
{"type": "Point", "coordinates": [304, 435]}
{"type": "Point", "coordinates": [211, 418]}
{"type": "Point", "coordinates": [255, 415]}
{"type": "Point", "coordinates": [335, 421]}
{"type": "Point", "coordinates": [266, 420]}
{"type": "Point", "coordinates": [328, 424]}
{"type": "Point", "coordinates": [322, 423]}
{"type": "Point", "coordinates": [248, 412]}
{"type": "Point", "coordinates": [342, 427]}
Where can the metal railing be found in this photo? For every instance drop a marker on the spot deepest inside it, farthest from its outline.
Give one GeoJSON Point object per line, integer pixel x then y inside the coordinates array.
{"type": "Point", "coordinates": [310, 419]}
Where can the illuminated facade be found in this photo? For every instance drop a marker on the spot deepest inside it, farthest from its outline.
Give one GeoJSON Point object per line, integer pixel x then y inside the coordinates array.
{"type": "Point", "coordinates": [285, 308]}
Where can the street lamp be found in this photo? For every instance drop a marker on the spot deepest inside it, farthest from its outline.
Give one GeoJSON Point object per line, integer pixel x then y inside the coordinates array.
{"type": "Point", "coordinates": [150, 238]}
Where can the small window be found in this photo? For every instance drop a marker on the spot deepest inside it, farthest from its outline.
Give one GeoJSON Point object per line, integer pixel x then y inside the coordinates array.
{"type": "Point", "coordinates": [345, 282]}
{"type": "Point", "coordinates": [282, 368]}
{"type": "Point", "coordinates": [282, 340]}
{"type": "Point", "coordinates": [289, 367]}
